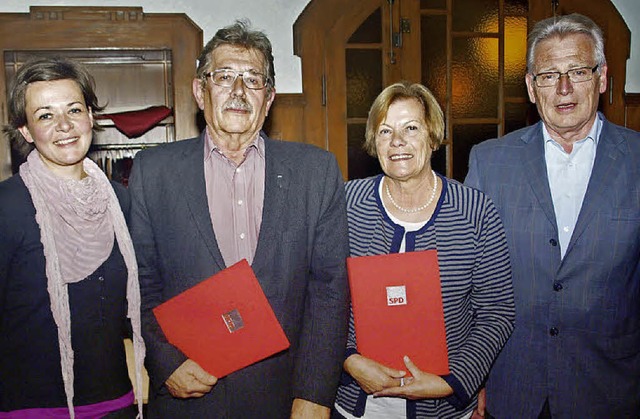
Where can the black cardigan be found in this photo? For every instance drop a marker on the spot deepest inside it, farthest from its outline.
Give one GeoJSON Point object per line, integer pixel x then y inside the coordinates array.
{"type": "Point", "coordinates": [30, 373]}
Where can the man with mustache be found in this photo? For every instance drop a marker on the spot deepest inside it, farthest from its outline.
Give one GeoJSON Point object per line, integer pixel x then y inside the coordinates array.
{"type": "Point", "coordinates": [568, 193]}
{"type": "Point", "coordinates": [203, 204]}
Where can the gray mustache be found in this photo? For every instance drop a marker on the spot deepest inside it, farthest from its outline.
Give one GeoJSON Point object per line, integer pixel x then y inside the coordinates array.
{"type": "Point", "coordinates": [238, 103]}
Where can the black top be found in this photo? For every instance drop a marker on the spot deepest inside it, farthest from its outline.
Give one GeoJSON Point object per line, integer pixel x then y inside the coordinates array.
{"type": "Point", "coordinates": [30, 372]}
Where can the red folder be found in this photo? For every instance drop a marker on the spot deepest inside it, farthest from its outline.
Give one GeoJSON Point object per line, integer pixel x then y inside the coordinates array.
{"type": "Point", "coordinates": [224, 323]}
{"type": "Point", "coordinates": [397, 309]}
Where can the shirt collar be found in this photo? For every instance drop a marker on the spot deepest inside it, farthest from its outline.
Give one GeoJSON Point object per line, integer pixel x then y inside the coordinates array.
{"type": "Point", "coordinates": [594, 132]}
{"type": "Point", "coordinates": [209, 146]}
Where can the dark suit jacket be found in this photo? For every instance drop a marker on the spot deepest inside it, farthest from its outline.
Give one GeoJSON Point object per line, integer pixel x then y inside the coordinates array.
{"type": "Point", "coordinates": [577, 334]}
{"type": "Point", "coordinates": [299, 262]}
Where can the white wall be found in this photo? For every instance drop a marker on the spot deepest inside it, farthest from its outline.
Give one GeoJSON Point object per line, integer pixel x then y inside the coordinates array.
{"type": "Point", "coordinates": [630, 11]}
{"type": "Point", "coordinates": [276, 18]}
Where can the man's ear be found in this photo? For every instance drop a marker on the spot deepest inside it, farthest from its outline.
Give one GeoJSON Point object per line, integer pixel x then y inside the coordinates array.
{"type": "Point", "coordinates": [270, 99]}
{"type": "Point", "coordinates": [530, 87]}
{"type": "Point", "coordinates": [198, 87]}
{"type": "Point", "coordinates": [603, 79]}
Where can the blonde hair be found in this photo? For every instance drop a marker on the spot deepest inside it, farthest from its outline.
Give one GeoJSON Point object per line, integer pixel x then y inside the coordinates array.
{"type": "Point", "coordinates": [433, 117]}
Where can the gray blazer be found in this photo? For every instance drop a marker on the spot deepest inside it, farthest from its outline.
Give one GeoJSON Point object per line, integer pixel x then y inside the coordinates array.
{"type": "Point", "coordinates": [299, 262]}
{"type": "Point", "coordinates": [577, 334]}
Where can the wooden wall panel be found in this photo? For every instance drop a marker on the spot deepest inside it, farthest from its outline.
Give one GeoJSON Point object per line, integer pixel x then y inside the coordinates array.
{"type": "Point", "coordinates": [632, 111]}
{"type": "Point", "coordinates": [286, 119]}
{"type": "Point", "coordinates": [52, 28]}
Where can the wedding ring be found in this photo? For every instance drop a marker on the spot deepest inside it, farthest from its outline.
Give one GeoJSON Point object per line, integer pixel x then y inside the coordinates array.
{"type": "Point", "coordinates": [402, 382]}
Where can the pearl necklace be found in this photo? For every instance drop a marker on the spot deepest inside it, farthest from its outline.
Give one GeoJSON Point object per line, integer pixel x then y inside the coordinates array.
{"type": "Point", "coordinates": [411, 211]}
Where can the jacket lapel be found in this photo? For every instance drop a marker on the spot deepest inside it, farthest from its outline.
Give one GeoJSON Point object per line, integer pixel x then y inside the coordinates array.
{"type": "Point", "coordinates": [609, 154]}
{"type": "Point", "coordinates": [195, 195]}
{"type": "Point", "coordinates": [276, 190]}
{"type": "Point", "coordinates": [536, 168]}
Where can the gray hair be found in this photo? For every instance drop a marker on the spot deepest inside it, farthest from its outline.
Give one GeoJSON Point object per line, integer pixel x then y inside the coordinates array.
{"type": "Point", "coordinates": [239, 34]}
{"type": "Point", "coordinates": [562, 26]}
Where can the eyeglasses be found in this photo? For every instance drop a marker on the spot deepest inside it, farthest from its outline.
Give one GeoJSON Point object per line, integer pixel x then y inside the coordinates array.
{"type": "Point", "coordinates": [576, 75]}
{"type": "Point", "coordinates": [227, 78]}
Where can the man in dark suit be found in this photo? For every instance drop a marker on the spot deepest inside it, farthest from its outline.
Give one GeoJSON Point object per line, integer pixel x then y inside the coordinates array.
{"type": "Point", "coordinates": [568, 192]}
{"type": "Point", "coordinates": [203, 204]}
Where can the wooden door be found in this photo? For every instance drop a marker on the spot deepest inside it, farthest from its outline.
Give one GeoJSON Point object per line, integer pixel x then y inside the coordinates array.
{"type": "Point", "coordinates": [470, 53]}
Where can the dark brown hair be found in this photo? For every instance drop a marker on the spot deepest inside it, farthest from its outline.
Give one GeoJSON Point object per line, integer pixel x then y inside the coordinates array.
{"type": "Point", "coordinates": [44, 69]}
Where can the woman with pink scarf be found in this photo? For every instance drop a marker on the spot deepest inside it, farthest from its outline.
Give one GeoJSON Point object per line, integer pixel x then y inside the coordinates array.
{"type": "Point", "coordinates": [68, 274]}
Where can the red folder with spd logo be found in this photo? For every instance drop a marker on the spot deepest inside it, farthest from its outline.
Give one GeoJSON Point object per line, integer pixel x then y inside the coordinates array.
{"type": "Point", "coordinates": [397, 309]}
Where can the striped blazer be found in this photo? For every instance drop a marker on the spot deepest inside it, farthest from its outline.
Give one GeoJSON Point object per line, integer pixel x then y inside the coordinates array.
{"type": "Point", "coordinates": [475, 275]}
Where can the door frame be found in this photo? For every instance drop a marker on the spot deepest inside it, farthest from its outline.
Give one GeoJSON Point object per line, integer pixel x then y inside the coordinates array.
{"type": "Point", "coordinates": [320, 34]}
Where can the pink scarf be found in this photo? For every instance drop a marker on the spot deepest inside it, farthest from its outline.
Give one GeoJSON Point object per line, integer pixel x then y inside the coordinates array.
{"type": "Point", "coordinates": [77, 221]}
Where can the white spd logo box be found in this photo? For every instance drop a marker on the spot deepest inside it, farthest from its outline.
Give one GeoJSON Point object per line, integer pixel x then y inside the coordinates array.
{"type": "Point", "coordinates": [397, 295]}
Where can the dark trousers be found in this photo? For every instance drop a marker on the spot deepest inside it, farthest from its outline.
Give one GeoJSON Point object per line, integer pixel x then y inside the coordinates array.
{"type": "Point", "coordinates": [545, 413]}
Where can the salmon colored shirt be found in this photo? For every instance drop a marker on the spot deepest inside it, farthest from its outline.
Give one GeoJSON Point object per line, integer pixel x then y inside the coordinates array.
{"type": "Point", "coordinates": [236, 195]}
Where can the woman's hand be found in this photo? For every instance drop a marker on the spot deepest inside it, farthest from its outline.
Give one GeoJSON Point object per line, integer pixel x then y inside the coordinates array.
{"type": "Point", "coordinates": [421, 385]}
{"type": "Point", "coordinates": [370, 375]}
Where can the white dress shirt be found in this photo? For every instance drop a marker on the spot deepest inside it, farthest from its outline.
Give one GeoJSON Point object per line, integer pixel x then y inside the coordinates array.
{"type": "Point", "coordinates": [568, 175]}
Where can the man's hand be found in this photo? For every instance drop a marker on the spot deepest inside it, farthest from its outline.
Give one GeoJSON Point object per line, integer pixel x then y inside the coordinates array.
{"type": "Point", "coordinates": [304, 409]}
{"type": "Point", "coordinates": [371, 375]}
{"type": "Point", "coordinates": [190, 380]}
{"type": "Point", "coordinates": [479, 412]}
{"type": "Point", "coordinates": [421, 385]}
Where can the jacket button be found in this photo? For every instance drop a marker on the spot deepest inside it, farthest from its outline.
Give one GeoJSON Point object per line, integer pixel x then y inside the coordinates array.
{"type": "Point", "coordinates": [553, 242]}
{"type": "Point", "coordinates": [554, 331]}
{"type": "Point", "coordinates": [557, 286]}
